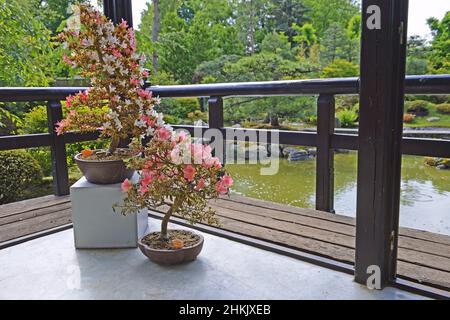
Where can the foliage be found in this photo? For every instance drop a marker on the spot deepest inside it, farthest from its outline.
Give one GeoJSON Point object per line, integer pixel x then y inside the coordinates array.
{"type": "Point", "coordinates": [324, 12]}
{"type": "Point", "coordinates": [336, 44]}
{"type": "Point", "coordinates": [118, 105]}
{"type": "Point", "coordinates": [19, 171]}
{"type": "Point", "coordinates": [347, 118]}
{"type": "Point", "coordinates": [178, 173]}
{"type": "Point", "coordinates": [35, 120]}
{"type": "Point", "coordinates": [340, 68]}
{"type": "Point", "coordinates": [418, 107]}
{"type": "Point", "coordinates": [9, 122]}
{"type": "Point", "coordinates": [408, 117]}
{"type": "Point", "coordinates": [417, 56]}
{"type": "Point", "coordinates": [443, 108]}
{"type": "Point", "coordinates": [27, 55]}
{"type": "Point", "coordinates": [440, 49]}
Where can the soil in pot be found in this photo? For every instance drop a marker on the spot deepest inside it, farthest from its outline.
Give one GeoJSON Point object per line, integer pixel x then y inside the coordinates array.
{"type": "Point", "coordinates": [181, 247]}
{"type": "Point", "coordinates": [100, 168]}
{"type": "Point", "coordinates": [188, 239]}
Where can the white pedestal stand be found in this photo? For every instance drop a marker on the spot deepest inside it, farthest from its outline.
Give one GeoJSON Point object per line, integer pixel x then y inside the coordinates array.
{"type": "Point", "coordinates": [95, 223]}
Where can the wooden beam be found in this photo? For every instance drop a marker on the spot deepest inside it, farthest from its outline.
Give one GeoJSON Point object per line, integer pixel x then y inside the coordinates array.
{"type": "Point", "coordinates": [325, 154]}
{"type": "Point", "coordinates": [58, 148]}
{"type": "Point", "coordinates": [216, 121]}
{"type": "Point", "coordinates": [383, 46]}
{"type": "Point", "coordinates": [117, 10]}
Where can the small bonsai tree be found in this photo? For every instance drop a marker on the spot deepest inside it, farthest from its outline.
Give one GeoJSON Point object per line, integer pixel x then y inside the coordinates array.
{"type": "Point", "coordinates": [178, 174]}
{"type": "Point", "coordinates": [106, 54]}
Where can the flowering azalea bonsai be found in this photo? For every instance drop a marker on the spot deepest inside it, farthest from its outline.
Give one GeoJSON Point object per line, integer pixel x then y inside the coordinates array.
{"type": "Point", "coordinates": [115, 103]}
{"type": "Point", "coordinates": [178, 174]}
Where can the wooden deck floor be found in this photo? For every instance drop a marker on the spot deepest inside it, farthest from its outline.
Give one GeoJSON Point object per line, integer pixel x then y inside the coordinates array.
{"type": "Point", "coordinates": [423, 257]}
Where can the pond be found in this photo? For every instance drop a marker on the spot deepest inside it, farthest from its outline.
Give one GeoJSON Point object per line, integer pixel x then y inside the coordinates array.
{"type": "Point", "coordinates": [425, 191]}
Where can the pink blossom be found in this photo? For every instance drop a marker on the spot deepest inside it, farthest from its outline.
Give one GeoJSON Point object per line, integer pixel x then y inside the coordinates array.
{"type": "Point", "coordinates": [115, 98]}
{"type": "Point", "coordinates": [227, 180]}
{"type": "Point", "coordinates": [83, 96]}
{"type": "Point", "coordinates": [145, 73]}
{"type": "Point", "coordinates": [143, 189]}
{"type": "Point", "coordinates": [207, 152]}
{"type": "Point", "coordinates": [164, 134]}
{"type": "Point", "coordinates": [61, 125]}
{"type": "Point", "coordinates": [189, 172]}
{"type": "Point", "coordinates": [116, 53]}
{"type": "Point", "coordinates": [144, 94]}
{"type": "Point", "coordinates": [69, 101]}
{"type": "Point", "coordinates": [221, 188]}
{"type": "Point", "coordinates": [148, 164]}
{"type": "Point", "coordinates": [148, 120]}
{"type": "Point", "coordinates": [212, 161]}
{"type": "Point", "coordinates": [67, 60]}
{"type": "Point", "coordinates": [134, 81]}
{"type": "Point", "coordinates": [123, 24]}
{"type": "Point", "coordinates": [147, 179]}
{"type": "Point", "coordinates": [126, 185]}
{"type": "Point", "coordinates": [200, 184]}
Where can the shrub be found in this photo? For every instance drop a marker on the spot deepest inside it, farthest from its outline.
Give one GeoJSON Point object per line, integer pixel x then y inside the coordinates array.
{"type": "Point", "coordinates": [443, 108]}
{"type": "Point", "coordinates": [19, 171]}
{"type": "Point", "coordinates": [347, 118]}
{"type": "Point", "coordinates": [35, 120]}
{"type": "Point", "coordinates": [419, 108]}
{"type": "Point", "coordinates": [408, 117]}
{"type": "Point", "coordinates": [9, 122]}
{"type": "Point", "coordinates": [312, 120]}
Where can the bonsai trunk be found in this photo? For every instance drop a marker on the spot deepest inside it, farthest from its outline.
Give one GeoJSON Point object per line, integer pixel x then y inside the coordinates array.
{"type": "Point", "coordinates": [164, 235]}
{"type": "Point", "coordinates": [113, 145]}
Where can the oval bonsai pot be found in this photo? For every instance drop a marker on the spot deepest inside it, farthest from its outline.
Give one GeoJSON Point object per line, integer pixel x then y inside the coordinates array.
{"type": "Point", "coordinates": [103, 171]}
{"type": "Point", "coordinates": [172, 257]}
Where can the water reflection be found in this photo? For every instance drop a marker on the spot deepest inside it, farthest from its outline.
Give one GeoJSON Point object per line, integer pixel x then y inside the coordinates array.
{"type": "Point", "coordinates": [425, 195]}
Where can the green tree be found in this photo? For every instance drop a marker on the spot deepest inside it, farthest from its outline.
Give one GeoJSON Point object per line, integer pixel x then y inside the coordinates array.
{"type": "Point", "coordinates": [337, 45]}
{"type": "Point", "coordinates": [27, 55]}
{"type": "Point", "coordinates": [340, 68]}
{"type": "Point", "coordinates": [417, 55]}
{"type": "Point", "coordinates": [284, 14]}
{"type": "Point", "coordinates": [325, 12]}
{"type": "Point", "coordinates": [440, 46]}
{"type": "Point", "coordinates": [306, 35]}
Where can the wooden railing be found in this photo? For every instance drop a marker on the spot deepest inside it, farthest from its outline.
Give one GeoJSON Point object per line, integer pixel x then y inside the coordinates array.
{"type": "Point", "coordinates": [325, 140]}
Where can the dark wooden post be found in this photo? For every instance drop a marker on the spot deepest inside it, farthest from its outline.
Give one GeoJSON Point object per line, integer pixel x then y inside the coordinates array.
{"type": "Point", "coordinates": [325, 154]}
{"type": "Point", "coordinates": [380, 132]}
{"type": "Point", "coordinates": [58, 149]}
{"type": "Point", "coordinates": [117, 10]}
{"type": "Point", "coordinates": [215, 118]}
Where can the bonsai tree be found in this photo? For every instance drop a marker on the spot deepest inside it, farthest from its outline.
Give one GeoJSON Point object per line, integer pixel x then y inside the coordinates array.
{"type": "Point", "coordinates": [178, 174]}
{"type": "Point", "coordinates": [106, 55]}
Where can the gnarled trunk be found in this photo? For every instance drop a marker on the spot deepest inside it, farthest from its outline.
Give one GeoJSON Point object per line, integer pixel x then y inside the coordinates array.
{"type": "Point", "coordinates": [113, 145]}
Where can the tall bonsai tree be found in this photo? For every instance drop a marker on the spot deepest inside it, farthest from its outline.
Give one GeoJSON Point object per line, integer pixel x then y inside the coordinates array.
{"type": "Point", "coordinates": [106, 55]}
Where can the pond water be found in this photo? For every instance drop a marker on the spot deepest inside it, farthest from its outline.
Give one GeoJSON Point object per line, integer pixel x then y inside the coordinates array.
{"type": "Point", "coordinates": [425, 191]}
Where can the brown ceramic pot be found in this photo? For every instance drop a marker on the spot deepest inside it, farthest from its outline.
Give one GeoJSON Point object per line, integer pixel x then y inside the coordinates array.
{"type": "Point", "coordinates": [171, 257]}
{"type": "Point", "coordinates": [103, 171]}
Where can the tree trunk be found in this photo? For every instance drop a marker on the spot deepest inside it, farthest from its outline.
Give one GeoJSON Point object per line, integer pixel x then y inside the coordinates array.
{"type": "Point", "coordinates": [173, 208]}
{"type": "Point", "coordinates": [155, 34]}
{"type": "Point", "coordinates": [113, 145]}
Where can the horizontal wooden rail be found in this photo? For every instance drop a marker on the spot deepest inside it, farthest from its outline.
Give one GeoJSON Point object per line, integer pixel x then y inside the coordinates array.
{"type": "Point", "coordinates": [435, 84]}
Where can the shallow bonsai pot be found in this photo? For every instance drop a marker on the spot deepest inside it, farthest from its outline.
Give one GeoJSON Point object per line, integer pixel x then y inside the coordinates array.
{"type": "Point", "coordinates": [172, 257]}
{"type": "Point", "coordinates": [103, 171]}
